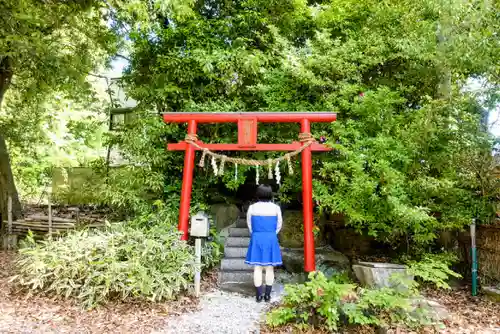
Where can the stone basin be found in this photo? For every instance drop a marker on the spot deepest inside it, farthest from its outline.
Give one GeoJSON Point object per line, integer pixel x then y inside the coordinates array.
{"type": "Point", "coordinates": [378, 275]}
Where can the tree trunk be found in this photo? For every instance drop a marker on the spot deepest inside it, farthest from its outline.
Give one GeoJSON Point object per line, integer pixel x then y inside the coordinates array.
{"type": "Point", "coordinates": [7, 185]}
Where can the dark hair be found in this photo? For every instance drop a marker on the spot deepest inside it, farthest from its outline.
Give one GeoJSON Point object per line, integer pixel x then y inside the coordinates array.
{"type": "Point", "coordinates": [264, 193]}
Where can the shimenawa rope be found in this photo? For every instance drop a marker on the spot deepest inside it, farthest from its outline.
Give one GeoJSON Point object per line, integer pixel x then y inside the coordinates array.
{"type": "Point", "coordinates": [306, 138]}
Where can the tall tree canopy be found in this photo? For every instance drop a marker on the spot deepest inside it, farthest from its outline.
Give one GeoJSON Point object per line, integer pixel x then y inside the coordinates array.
{"type": "Point", "coordinates": [411, 150]}
{"type": "Point", "coordinates": [395, 71]}
{"type": "Point", "coordinates": [52, 46]}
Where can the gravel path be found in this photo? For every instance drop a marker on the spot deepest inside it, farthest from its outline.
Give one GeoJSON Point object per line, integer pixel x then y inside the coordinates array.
{"type": "Point", "coordinates": [222, 313]}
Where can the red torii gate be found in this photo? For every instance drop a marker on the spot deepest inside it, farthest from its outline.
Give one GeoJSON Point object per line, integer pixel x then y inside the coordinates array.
{"type": "Point", "coordinates": [247, 141]}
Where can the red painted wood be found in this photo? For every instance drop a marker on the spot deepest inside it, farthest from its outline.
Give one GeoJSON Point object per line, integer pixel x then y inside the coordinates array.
{"type": "Point", "coordinates": [309, 252]}
{"type": "Point", "coordinates": [315, 147]}
{"type": "Point", "coordinates": [187, 184]}
{"type": "Point", "coordinates": [233, 117]}
{"type": "Point", "coordinates": [247, 132]}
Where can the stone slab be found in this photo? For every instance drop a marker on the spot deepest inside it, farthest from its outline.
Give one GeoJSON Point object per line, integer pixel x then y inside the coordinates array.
{"type": "Point", "coordinates": [237, 242]}
{"type": "Point", "coordinates": [237, 264]}
{"type": "Point", "coordinates": [248, 289]}
{"type": "Point", "coordinates": [239, 277]}
{"type": "Point", "coordinates": [239, 232]}
{"type": "Point", "coordinates": [382, 265]}
{"type": "Point", "coordinates": [491, 292]}
{"type": "Point", "coordinates": [235, 252]}
{"type": "Point", "coordinates": [380, 275]}
{"type": "Point", "coordinates": [241, 222]}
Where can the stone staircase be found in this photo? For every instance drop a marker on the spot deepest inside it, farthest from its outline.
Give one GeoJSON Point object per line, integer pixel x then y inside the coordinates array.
{"type": "Point", "coordinates": [233, 269]}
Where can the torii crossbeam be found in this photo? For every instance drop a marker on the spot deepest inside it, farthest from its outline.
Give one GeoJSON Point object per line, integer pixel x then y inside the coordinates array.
{"type": "Point", "coordinates": [247, 141]}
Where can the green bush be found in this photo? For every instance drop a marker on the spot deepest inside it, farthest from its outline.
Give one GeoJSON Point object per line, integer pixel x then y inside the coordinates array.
{"type": "Point", "coordinates": [121, 262]}
{"type": "Point", "coordinates": [166, 214]}
{"type": "Point", "coordinates": [434, 269]}
{"type": "Point", "coordinates": [212, 251]}
{"type": "Point", "coordinates": [333, 303]}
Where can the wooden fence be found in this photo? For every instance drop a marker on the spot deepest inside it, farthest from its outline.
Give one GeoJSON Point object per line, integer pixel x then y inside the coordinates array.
{"type": "Point", "coordinates": [488, 252]}
{"type": "Point", "coordinates": [41, 224]}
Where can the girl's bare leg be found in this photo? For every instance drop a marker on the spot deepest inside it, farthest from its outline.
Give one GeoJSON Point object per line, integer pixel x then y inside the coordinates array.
{"type": "Point", "coordinates": [269, 275]}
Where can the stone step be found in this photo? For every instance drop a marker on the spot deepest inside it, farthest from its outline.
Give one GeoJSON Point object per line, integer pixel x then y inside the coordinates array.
{"type": "Point", "coordinates": [237, 242]}
{"type": "Point", "coordinates": [235, 252]}
{"type": "Point", "coordinates": [241, 222]}
{"type": "Point", "coordinates": [248, 289]}
{"type": "Point", "coordinates": [237, 264]}
{"type": "Point", "coordinates": [241, 277]}
{"type": "Point", "coordinates": [239, 232]}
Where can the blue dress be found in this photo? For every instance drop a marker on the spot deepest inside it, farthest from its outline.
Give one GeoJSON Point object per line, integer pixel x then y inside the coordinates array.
{"type": "Point", "coordinates": [264, 249]}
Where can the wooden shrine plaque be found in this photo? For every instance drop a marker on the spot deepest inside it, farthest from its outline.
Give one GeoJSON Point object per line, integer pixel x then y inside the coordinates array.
{"type": "Point", "coordinates": [247, 132]}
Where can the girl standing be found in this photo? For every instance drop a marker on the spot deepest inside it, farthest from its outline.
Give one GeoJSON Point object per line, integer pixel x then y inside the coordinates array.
{"type": "Point", "coordinates": [264, 222]}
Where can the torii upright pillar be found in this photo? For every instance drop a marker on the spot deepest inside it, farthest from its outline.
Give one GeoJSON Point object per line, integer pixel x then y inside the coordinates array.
{"type": "Point", "coordinates": [247, 141]}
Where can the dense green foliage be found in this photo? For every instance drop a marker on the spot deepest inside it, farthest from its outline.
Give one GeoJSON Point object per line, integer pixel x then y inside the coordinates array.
{"type": "Point", "coordinates": [330, 303]}
{"type": "Point", "coordinates": [121, 262]}
{"type": "Point", "coordinates": [434, 269]}
{"type": "Point", "coordinates": [165, 215]}
{"type": "Point", "coordinates": [412, 154]}
{"type": "Point", "coordinates": [48, 50]}
{"type": "Point", "coordinates": [411, 145]}
{"type": "Point", "coordinates": [334, 302]}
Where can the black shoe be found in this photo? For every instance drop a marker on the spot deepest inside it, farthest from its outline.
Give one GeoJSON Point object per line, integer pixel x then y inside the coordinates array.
{"type": "Point", "coordinates": [267, 295]}
{"type": "Point", "coordinates": [258, 294]}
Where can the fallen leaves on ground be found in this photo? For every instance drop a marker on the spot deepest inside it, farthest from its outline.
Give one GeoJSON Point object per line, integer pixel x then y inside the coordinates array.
{"type": "Point", "coordinates": [468, 314]}
{"type": "Point", "coordinates": [21, 313]}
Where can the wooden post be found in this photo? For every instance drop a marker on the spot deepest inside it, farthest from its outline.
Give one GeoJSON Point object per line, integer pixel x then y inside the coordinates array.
{"type": "Point", "coordinates": [474, 256]}
{"type": "Point", "coordinates": [197, 275]}
{"type": "Point", "coordinates": [9, 240]}
{"type": "Point", "coordinates": [50, 213]}
{"type": "Point", "coordinates": [77, 216]}
{"type": "Point", "coordinates": [9, 215]}
{"type": "Point", "coordinates": [307, 202]}
{"type": "Point", "coordinates": [187, 184]}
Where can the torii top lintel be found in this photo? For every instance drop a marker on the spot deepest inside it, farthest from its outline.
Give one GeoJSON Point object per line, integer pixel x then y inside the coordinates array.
{"type": "Point", "coordinates": [247, 128]}
{"type": "Point", "coordinates": [234, 117]}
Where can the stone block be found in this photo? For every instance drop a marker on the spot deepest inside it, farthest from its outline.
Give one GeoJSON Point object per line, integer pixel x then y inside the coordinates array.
{"type": "Point", "coordinates": [224, 215]}
{"type": "Point", "coordinates": [9, 242]}
{"type": "Point", "coordinates": [241, 223]}
{"type": "Point", "coordinates": [239, 277]}
{"type": "Point", "coordinates": [237, 242]}
{"type": "Point", "coordinates": [432, 310]}
{"type": "Point", "coordinates": [235, 264]}
{"type": "Point", "coordinates": [292, 233]}
{"type": "Point", "coordinates": [379, 275]}
{"type": "Point", "coordinates": [235, 252]}
{"type": "Point", "coordinates": [293, 259]}
{"type": "Point", "coordinates": [491, 293]}
{"type": "Point", "coordinates": [239, 232]}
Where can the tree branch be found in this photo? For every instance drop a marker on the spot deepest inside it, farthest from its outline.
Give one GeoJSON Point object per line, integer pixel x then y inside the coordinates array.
{"type": "Point", "coordinates": [103, 77]}
{"type": "Point", "coordinates": [123, 57]}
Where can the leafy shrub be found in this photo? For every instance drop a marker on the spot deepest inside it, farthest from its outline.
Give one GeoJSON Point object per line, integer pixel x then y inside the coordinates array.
{"type": "Point", "coordinates": [120, 262]}
{"type": "Point", "coordinates": [166, 214]}
{"type": "Point", "coordinates": [333, 303]}
{"type": "Point", "coordinates": [332, 273]}
{"type": "Point", "coordinates": [434, 268]}
{"type": "Point", "coordinates": [292, 233]}
{"type": "Point", "coordinates": [212, 251]}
